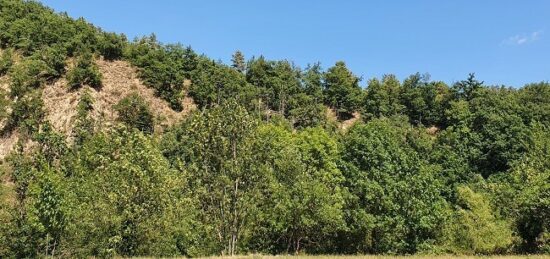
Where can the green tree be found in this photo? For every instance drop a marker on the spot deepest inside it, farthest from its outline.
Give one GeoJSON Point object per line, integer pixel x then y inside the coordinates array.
{"type": "Point", "coordinates": [396, 204]}
{"type": "Point", "coordinates": [306, 205]}
{"type": "Point", "coordinates": [126, 199]}
{"type": "Point", "coordinates": [48, 210]}
{"type": "Point", "coordinates": [6, 61]}
{"type": "Point", "coordinates": [382, 97]}
{"type": "Point", "coordinates": [84, 126]}
{"type": "Point", "coordinates": [134, 111]}
{"type": "Point", "coordinates": [341, 89]}
{"type": "Point", "coordinates": [465, 89]}
{"type": "Point", "coordinates": [424, 102]}
{"type": "Point", "coordinates": [217, 149]}
{"type": "Point", "coordinates": [474, 227]}
{"type": "Point", "coordinates": [312, 81]}
{"type": "Point", "coordinates": [238, 61]}
{"type": "Point", "coordinates": [523, 193]}
{"type": "Point", "coordinates": [85, 72]}
{"type": "Point", "coordinates": [111, 45]}
{"type": "Point", "coordinates": [28, 75]}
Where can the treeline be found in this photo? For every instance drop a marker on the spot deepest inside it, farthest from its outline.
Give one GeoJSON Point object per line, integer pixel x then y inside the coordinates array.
{"type": "Point", "coordinates": [260, 167]}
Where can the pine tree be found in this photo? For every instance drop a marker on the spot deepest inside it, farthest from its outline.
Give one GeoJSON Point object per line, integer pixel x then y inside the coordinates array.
{"type": "Point", "coordinates": [238, 61]}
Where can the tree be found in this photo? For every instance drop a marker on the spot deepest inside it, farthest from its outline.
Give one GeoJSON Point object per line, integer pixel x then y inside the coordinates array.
{"type": "Point", "coordinates": [306, 204]}
{"type": "Point", "coordinates": [465, 89]}
{"type": "Point", "coordinates": [214, 83]}
{"type": "Point", "coordinates": [305, 112]}
{"type": "Point", "coordinates": [277, 82]}
{"type": "Point", "coordinates": [111, 45]}
{"type": "Point", "coordinates": [474, 227]}
{"type": "Point", "coordinates": [48, 212]}
{"type": "Point", "coordinates": [396, 204]}
{"type": "Point", "coordinates": [523, 193]}
{"type": "Point", "coordinates": [135, 113]}
{"type": "Point", "coordinates": [30, 74]}
{"type": "Point", "coordinates": [85, 72]}
{"type": "Point", "coordinates": [238, 61]}
{"type": "Point", "coordinates": [126, 199]}
{"type": "Point", "coordinates": [382, 97]}
{"type": "Point", "coordinates": [84, 126]}
{"type": "Point", "coordinates": [312, 81]}
{"type": "Point", "coordinates": [341, 89]}
{"type": "Point", "coordinates": [6, 61]}
{"type": "Point", "coordinates": [217, 148]}
{"type": "Point", "coordinates": [424, 101]}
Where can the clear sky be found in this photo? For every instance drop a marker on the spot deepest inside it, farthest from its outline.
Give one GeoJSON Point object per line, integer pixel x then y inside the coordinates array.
{"type": "Point", "coordinates": [502, 41]}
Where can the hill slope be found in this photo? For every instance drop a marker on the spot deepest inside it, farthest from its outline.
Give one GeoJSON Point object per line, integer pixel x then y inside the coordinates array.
{"type": "Point", "coordinates": [119, 79]}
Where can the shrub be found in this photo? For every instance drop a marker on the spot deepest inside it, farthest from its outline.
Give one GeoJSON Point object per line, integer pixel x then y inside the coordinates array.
{"type": "Point", "coordinates": [28, 75]}
{"type": "Point", "coordinates": [475, 228]}
{"type": "Point", "coordinates": [111, 45]}
{"type": "Point", "coordinates": [27, 113]}
{"type": "Point", "coordinates": [134, 112]}
{"type": "Point", "coordinates": [84, 126]}
{"type": "Point", "coordinates": [163, 67]}
{"type": "Point", "coordinates": [84, 73]}
{"type": "Point", "coordinates": [6, 61]}
{"type": "Point", "coordinates": [54, 57]}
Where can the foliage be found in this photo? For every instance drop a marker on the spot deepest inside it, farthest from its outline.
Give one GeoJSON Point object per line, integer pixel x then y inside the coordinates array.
{"type": "Point", "coordinates": [425, 102]}
{"type": "Point", "coordinates": [6, 61]}
{"type": "Point", "coordinates": [27, 113]}
{"type": "Point", "coordinates": [163, 67]}
{"type": "Point", "coordinates": [135, 113]}
{"type": "Point", "coordinates": [84, 125]}
{"type": "Point", "coordinates": [214, 83]}
{"type": "Point", "coordinates": [259, 168]}
{"type": "Point", "coordinates": [474, 228]}
{"type": "Point", "coordinates": [341, 89]}
{"type": "Point", "coordinates": [238, 61]}
{"type": "Point", "coordinates": [382, 97]}
{"type": "Point", "coordinates": [85, 72]}
{"type": "Point", "coordinates": [396, 204]}
{"type": "Point", "coordinates": [28, 75]}
{"type": "Point", "coordinates": [111, 45]}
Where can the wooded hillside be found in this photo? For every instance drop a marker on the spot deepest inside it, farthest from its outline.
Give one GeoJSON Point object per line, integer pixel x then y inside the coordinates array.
{"type": "Point", "coordinates": [111, 147]}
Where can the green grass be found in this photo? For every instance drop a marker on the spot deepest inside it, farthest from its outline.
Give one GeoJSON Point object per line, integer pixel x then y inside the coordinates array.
{"type": "Point", "coordinates": [372, 257]}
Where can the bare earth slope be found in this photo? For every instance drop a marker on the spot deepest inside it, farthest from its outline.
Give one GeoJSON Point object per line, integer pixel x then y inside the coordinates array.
{"type": "Point", "coordinates": [119, 80]}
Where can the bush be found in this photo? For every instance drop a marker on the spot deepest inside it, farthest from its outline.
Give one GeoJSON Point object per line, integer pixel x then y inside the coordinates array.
{"type": "Point", "coordinates": [27, 113]}
{"type": "Point", "coordinates": [111, 45]}
{"type": "Point", "coordinates": [54, 57]}
{"type": "Point", "coordinates": [475, 228]}
{"type": "Point", "coordinates": [135, 113]}
{"type": "Point", "coordinates": [84, 73]}
{"type": "Point", "coordinates": [84, 125]}
{"type": "Point", "coordinates": [28, 75]}
{"type": "Point", "coordinates": [163, 67]}
{"type": "Point", "coordinates": [6, 61]}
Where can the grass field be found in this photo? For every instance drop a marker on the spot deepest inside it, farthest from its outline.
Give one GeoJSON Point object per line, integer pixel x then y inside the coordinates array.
{"type": "Point", "coordinates": [375, 257]}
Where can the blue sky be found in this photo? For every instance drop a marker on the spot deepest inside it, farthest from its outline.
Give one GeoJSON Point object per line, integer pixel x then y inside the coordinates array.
{"type": "Point", "coordinates": [502, 41]}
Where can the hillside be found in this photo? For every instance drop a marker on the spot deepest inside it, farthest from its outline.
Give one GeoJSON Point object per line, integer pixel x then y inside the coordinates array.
{"type": "Point", "coordinates": [119, 80]}
{"type": "Point", "coordinates": [118, 148]}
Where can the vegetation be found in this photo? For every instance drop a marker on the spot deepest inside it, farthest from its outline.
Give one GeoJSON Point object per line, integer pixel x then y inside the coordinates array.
{"type": "Point", "coordinates": [260, 168]}
{"type": "Point", "coordinates": [84, 73]}
{"type": "Point", "coordinates": [134, 112]}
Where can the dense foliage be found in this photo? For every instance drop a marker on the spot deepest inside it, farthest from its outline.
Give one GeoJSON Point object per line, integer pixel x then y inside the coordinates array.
{"type": "Point", "coordinates": [261, 166]}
